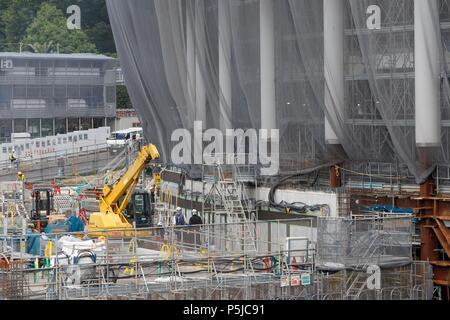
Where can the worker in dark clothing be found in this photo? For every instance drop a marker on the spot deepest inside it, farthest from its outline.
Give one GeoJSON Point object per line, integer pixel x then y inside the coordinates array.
{"type": "Point", "coordinates": [195, 221]}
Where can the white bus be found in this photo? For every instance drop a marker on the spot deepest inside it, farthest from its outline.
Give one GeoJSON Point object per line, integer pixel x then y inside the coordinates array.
{"type": "Point", "coordinates": [119, 139]}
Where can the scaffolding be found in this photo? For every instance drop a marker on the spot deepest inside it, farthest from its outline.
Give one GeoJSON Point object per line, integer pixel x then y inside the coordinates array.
{"type": "Point", "coordinates": [209, 262]}
{"type": "Point", "coordinates": [157, 263]}
{"type": "Point", "coordinates": [227, 199]}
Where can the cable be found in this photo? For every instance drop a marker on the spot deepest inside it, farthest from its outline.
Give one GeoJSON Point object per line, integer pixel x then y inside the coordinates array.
{"type": "Point", "coordinates": [302, 208]}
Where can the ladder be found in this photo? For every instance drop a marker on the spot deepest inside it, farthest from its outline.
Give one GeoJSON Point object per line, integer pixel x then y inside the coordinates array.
{"type": "Point", "coordinates": [228, 197]}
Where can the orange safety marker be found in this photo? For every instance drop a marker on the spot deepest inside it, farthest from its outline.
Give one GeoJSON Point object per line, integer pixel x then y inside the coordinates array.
{"type": "Point", "coordinates": [294, 260]}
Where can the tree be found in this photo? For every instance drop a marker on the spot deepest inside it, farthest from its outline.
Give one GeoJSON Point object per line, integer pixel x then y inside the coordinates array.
{"type": "Point", "coordinates": [123, 99]}
{"type": "Point", "coordinates": [15, 16]}
{"type": "Point", "coordinates": [101, 35]}
{"type": "Point", "coordinates": [94, 22]}
{"type": "Point", "coordinates": [48, 32]}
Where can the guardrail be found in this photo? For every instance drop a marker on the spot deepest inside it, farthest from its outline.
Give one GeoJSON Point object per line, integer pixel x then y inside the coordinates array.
{"type": "Point", "coordinates": [89, 159]}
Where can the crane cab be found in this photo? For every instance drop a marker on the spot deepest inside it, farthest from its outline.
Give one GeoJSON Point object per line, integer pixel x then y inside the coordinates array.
{"type": "Point", "coordinates": [139, 210]}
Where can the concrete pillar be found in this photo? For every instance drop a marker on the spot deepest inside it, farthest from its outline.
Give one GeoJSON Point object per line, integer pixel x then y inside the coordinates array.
{"type": "Point", "coordinates": [224, 65]}
{"type": "Point", "coordinates": [427, 73]}
{"type": "Point", "coordinates": [195, 34]}
{"type": "Point", "coordinates": [200, 92]}
{"type": "Point", "coordinates": [333, 37]}
{"type": "Point", "coordinates": [267, 58]}
{"type": "Point", "coordinates": [190, 59]}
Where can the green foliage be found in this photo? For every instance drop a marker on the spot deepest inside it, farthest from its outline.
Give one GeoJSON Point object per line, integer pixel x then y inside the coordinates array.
{"type": "Point", "coordinates": [123, 99]}
{"type": "Point", "coordinates": [16, 17]}
{"type": "Point", "coordinates": [94, 22]}
{"type": "Point", "coordinates": [101, 35]}
{"type": "Point", "coordinates": [49, 30]}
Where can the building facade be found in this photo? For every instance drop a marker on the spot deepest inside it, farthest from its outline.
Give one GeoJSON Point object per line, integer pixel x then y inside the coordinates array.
{"type": "Point", "coordinates": [47, 94]}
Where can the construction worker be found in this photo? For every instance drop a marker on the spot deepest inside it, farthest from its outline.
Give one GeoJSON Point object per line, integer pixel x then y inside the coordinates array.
{"type": "Point", "coordinates": [20, 176]}
{"type": "Point", "coordinates": [12, 158]}
{"type": "Point", "coordinates": [178, 220]}
{"type": "Point", "coordinates": [195, 221]}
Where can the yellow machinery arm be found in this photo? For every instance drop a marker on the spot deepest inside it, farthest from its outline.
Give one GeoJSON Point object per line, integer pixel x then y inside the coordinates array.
{"type": "Point", "coordinates": [110, 215]}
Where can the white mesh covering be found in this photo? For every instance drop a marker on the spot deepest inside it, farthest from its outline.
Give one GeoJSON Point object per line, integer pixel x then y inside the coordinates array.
{"type": "Point", "coordinates": [201, 60]}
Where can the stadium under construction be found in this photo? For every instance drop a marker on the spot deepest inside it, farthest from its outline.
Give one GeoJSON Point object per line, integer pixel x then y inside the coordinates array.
{"type": "Point", "coordinates": [288, 149]}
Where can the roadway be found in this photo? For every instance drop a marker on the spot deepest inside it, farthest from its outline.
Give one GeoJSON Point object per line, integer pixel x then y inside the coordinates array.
{"type": "Point", "coordinates": [47, 169]}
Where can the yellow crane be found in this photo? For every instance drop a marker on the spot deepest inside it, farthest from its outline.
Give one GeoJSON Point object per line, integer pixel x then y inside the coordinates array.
{"type": "Point", "coordinates": [110, 215]}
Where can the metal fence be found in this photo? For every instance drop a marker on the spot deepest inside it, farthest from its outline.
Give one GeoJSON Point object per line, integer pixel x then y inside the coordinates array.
{"type": "Point", "coordinates": [356, 243]}
{"type": "Point", "coordinates": [195, 262]}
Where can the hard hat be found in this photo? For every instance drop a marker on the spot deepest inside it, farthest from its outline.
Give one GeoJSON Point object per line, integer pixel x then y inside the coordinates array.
{"type": "Point", "coordinates": [178, 209]}
{"type": "Point", "coordinates": [194, 211]}
{"type": "Point", "coordinates": [20, 172]}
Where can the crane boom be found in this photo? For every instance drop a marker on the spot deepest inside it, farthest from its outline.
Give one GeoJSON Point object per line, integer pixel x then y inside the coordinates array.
{"type": "Point", "coordinates": [110, 215]}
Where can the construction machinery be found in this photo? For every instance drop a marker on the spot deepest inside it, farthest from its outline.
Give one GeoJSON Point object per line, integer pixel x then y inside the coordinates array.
{"type": "Point", "coordinates": [139, 209]}
{"type": "Point", "coordinates": [42, 205]}
{"type": "Point", "coordinates": [115, 199]}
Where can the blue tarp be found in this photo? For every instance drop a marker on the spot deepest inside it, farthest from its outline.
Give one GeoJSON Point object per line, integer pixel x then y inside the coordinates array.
{"type": "Point", "coordinates": [73, 224]}
{"type": "Point", "coordinates": [33, 243]}
{"type": "Point", "coordinates": [391, 209]}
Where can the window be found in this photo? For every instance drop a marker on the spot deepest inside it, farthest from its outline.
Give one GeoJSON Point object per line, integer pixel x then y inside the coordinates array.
{"type": "Point", "coordinates": [4, 149]}
{"type": "Point", "coordinates": [80, 137]}
{"type": "Point", "coordinates": [64, 140]}
{"type": "Point", "coordinates": [70, 138]}
{"type": "Point", "coordinates": [85, 136]}
{"type": "Point", "coordinates": [48, 143]}
{"type": "Point", "coordinates": [27, 146]}
{"type": "Point", "coordinates": [38, 144]}
{"type": "Point", "coordinates": [19, 92]}
{"type": "Point", "coordinates": [59, 140]}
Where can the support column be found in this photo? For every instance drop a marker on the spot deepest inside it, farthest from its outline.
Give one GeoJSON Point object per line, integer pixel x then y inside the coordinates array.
{"type": "Point", "coordinates": [267, 58]}
{"type": "Point", "coordinates": [428, 241]}
{"type": "Point", "coordinates": [427, 73]}
{"type": "Point", "coordinates": [224, 65]}
{"type": "Point", "coordinates": [334, 84]}
{"type": "Point", "coordinates": [333, 37]}
{"type": "Point", "coordinates": [195, 35]}
{"type": "Point", "coordinates": [200, 92]}
{"type": "Point", "coordinates": [335, 177]}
